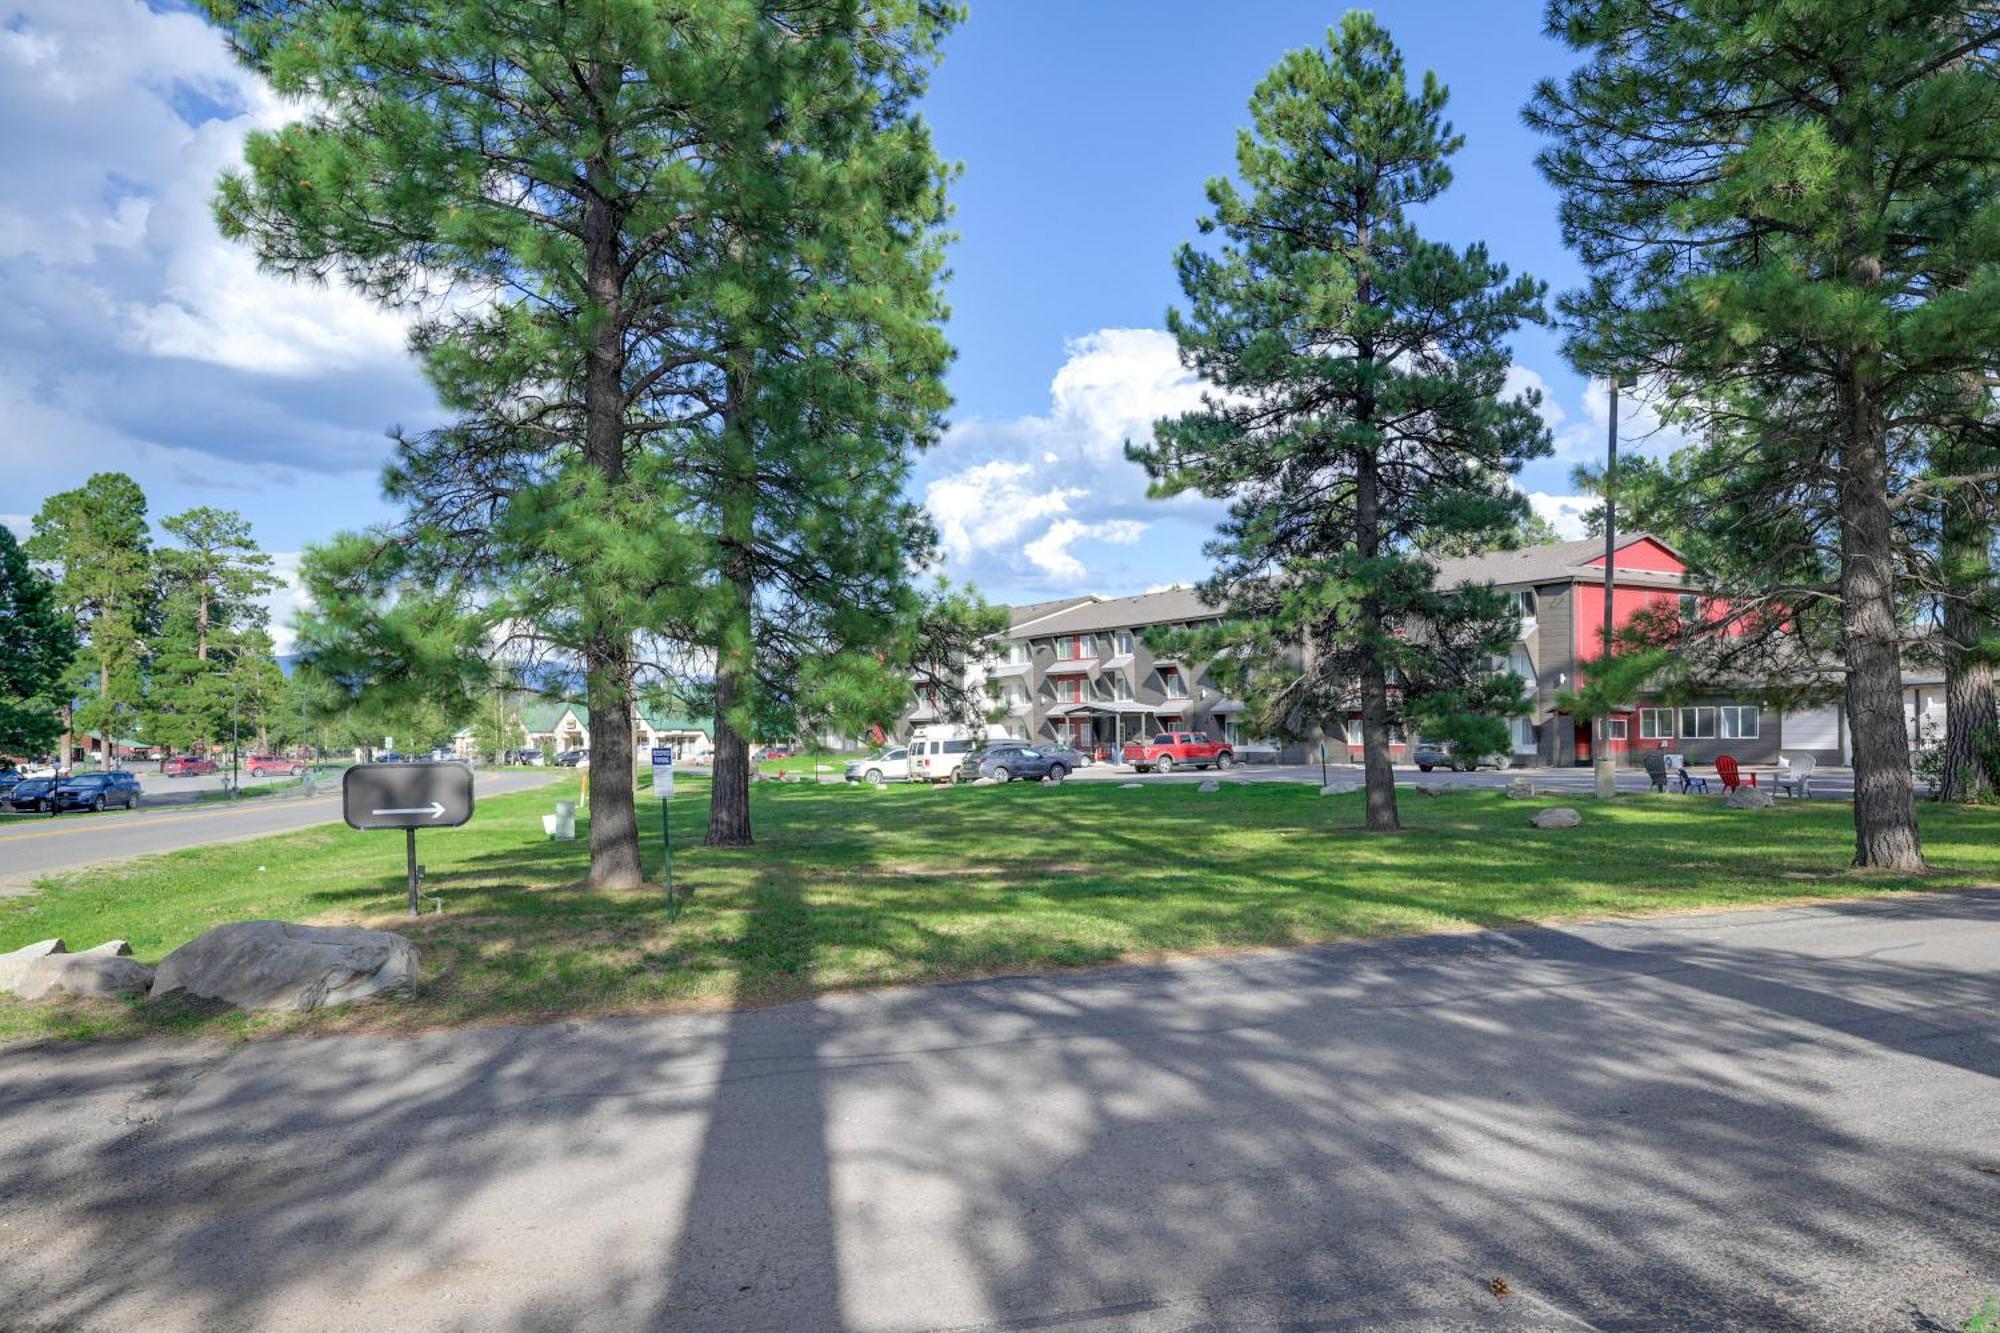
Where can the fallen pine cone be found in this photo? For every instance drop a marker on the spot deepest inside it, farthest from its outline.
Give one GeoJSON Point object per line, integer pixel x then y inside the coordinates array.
{"type": "Point", "coordinates": [1498, 1286]}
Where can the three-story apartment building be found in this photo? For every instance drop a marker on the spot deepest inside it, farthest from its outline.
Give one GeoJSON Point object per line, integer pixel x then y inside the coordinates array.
{"type": "Point", "coordinates": [1078, 670]}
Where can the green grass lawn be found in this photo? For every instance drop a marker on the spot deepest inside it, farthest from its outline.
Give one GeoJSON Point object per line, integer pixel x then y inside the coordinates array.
{"type": "Point", "coordinates": [852, 887]}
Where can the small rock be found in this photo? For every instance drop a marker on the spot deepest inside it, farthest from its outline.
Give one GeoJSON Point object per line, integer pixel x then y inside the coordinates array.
{"type": "Point", "coordinates": [1520, 789]}
{"type": "Point", "coordinates": [1338, 789]}
{"type": "Point", "coordinates": [1209, 784]}
{"type": "Point", "coordinates": [985, 782]}
{"type": "Point", "coordinates": [84, 976]}
{"type": "Point", "coordinates": [115, 948]}
{"type": "Point", "coordinates": [1556, 816]}
{"type": "Point", "coordinates": [278, 965]}
{"type": "Point", "coordinates": [1432, 788]}
{"type": "Point", "coordinates": [1748, 798]}
{"type": "Point", "coordinates": [14, 965]}
{"type": "Point", "coordinates": [1131, 784]}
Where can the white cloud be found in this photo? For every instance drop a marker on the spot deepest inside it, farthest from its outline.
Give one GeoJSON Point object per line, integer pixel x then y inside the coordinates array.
{"type": "Point", "coordinates": [1045, 504]}
{"type": "Point", "coordinates": [1050, 552]}
{"type": "Point", "coordinates": [285, 601]}
{"type": "Point", "coordinates": [133, 337]}
{"type": "Point", "coordinates": [1566, 512]}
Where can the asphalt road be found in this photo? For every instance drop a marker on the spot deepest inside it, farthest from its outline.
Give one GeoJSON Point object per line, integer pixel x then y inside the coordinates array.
{"type": "Point", "coordinates": [1770, 1120]}
{"type": "Point", "coordinates": [32, 846]}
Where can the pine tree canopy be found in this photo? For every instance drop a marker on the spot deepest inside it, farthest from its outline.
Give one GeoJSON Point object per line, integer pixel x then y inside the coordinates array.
{"type": "Point", "coordinates": [1359, 411]}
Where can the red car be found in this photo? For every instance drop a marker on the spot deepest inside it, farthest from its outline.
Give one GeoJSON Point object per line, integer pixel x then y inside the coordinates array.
{"type": "Point", "coordinates": [260, 764]}
{"type": "Point", "coordinates": [1173, 749]}
{"type": "Point", "coordinates": [187, 766]}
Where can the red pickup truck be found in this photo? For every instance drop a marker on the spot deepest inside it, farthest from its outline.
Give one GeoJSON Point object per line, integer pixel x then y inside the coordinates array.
{"type": "Point", "coordinates": [1173, 749]}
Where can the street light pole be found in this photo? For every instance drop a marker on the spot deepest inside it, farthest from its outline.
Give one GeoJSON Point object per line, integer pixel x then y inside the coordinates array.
{"type": "Point", "coordinates": [1607, 777]}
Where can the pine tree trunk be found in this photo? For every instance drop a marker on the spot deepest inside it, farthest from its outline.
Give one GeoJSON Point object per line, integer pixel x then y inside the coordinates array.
{"type": "Point", "coordinates": [614, 822]}
{"type": "Point", "coordinates": [1970, 715]}
{"type": "Point", "coordinates": [104, 698]}
{"type": "Point", "coordinates": [1885, 817]}
{"type": "Point", "coordinates": [1378, 774]}
{"type": "Point", "coordinates": [729, 794]}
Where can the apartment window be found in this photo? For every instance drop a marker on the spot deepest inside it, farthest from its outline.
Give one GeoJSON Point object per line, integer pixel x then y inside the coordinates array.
{"type": "Point", "coordinates": [1017, 652]}
{"type": "Point", "coordinates": [1618, 728]}
{"type": "Point", "coordinates": [1522, 732]}
{"type": "Point", "coordinates": [1065, 647]}
{"type": "Point", "coordinates": [1739, 722]}
{"type": "Point", "coordinates": [1523, 602]}
{"type": "Point", "coordinates": [1070, 691]}
{"type": "Point", "coordinates": [1124, 641]}
{"type": "Point", "coordinates": [1690, 606]}
{"type": "Point", "coordinates": [1656, 724]}
{"type": "Point", "coordinates": [1086, 645]}
{"type": "Point", "coordinates": [1354, 731]}
{"type": "Point", "coordinates": [1697, 724]}
{"type": "Point", "coordinates": [1121, 686]}
{"type": "Point", "coordinates": [1170, 682]}
{"type": "Point", "coordinates": [1014, 696]}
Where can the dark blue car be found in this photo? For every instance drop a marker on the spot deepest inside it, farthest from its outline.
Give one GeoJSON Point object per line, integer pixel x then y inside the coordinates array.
{"type": "Point", "coordinates": [1004, 763]}
{"type": "Point", "coordinates": [31, 794]}
{"type": "Point", "coordinates": [95, 791]}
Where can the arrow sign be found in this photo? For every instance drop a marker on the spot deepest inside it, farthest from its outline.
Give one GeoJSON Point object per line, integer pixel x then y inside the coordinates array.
{"type": "Point", "coordinates": [375, 796]}
{"type": "Point", "coordinates": [434, 809]}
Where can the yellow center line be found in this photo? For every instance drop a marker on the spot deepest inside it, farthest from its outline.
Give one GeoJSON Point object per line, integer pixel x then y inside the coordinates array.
{"type": "Point", "coordinates": [143, 821]}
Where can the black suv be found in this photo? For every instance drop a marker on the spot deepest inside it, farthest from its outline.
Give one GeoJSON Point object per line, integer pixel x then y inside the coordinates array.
{"type": "Point", "coordinates": [95, 791]}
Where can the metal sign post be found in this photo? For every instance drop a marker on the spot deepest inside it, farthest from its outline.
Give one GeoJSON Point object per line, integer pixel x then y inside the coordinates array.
{"type": "Point", "coordinates": [663, 787]}
{"type": "Point", "coordinates": [407, 797]}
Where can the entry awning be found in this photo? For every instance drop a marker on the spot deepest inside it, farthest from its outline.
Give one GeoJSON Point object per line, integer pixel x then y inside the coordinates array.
{"type": "Point", "coordinates": [1118, 662]}
{"type": "Point", "coordinates": [1010, 669]}
{"type": "Point", "coordinates": [1107, 707]}
{"type": "Point", "coordinates": [1226, 706]}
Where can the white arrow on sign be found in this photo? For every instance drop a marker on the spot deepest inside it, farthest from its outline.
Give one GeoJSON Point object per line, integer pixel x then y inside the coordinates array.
{"type": "Point", "coordinates": [435, 810]}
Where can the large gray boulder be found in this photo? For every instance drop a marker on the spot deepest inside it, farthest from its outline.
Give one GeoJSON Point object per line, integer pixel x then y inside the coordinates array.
{"type": "Point", "coordinates": [13, 966]}
{"type": "Point", "coordinates": [1556, 816]}
{"type": "Point", "coordinates": [1748, 798]}
{"type": "Point", "coordinates": [113, 949]}
{"type": "Point", "coordinates": [84, 976]}
{"type": "Point", "coordinates": [278, 965]}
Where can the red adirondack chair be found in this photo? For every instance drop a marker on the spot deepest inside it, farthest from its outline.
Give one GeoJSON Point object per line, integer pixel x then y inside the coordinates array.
{"type": "Point", "coordinates": [1732, 777]}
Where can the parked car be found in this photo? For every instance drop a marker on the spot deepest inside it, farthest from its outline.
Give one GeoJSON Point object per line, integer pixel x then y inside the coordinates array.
{"type": "Point", "coordinates": [1437, 754]}
{"type": "Point", "coordinates": [891, 765]}
{"type": "Point", "coordinates": [8, 778]}
{"type": "Point", "coordinates": [1178, 749]}
{"type": "Point", "coordinates": [939, 758]}
{"type": "Point", "coordinates": [95, 791]}
{"type": "Point", "coordinates": [261, 764]}
{"type": "Point", "coordinates": [571, 758]}
{"type": "Point", "coordinates": [187, 766]}
{"type": "Point", "coordinates": [777, 752]}
{"type": "Point", "coordinates": [31, 794]}
{"type": "Point", "coordinates": [1004, 763]}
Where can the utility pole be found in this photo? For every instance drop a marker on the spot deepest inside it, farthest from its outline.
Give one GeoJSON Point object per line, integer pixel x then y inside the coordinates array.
{"type": "Point", "coordinates": [1607, 776]}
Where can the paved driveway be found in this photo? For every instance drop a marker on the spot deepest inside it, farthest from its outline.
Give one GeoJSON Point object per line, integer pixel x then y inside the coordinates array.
{"type": "Point", "coordinates": [32, 846]}
{"type": "Point", "coordinates": [1769, 1120]}
{"type": "Point", "coordinates": [1827, 783]}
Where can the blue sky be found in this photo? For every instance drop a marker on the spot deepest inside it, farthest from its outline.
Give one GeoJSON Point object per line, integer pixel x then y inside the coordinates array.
{"type": "Point", "coordinates": [134, 338]}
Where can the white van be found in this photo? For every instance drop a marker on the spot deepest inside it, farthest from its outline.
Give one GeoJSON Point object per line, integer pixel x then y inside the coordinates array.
{"type": "Point", "coordinates": [937, 753]}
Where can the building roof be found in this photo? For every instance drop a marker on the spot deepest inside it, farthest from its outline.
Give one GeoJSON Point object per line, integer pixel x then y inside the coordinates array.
{"type": "Point", "coordinates": [1092, 614]}
{"type": "Point", "coordinates": [541, 716]}
{"type": "Point", "coordinates": [1019, 615]}
{"type": "Point", "coordinates": [1553, 562]}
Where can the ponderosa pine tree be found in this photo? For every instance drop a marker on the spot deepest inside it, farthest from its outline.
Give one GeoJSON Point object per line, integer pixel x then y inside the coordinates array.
{"type": "Point", "coordinates": [96, 540]}
{"type": "Point", "coordinates": [37, 644]}
{"type": "Point", "coordinates": [1788, 217]}
{"type": "Point", "coordinates": [614, 193]}
{"type": "Point", "coordinates": [1358, 408]}
{"type": "Point", "coordinates": [210, 588]}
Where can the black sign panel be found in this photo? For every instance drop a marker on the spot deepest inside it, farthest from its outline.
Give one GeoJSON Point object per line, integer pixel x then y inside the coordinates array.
{"type": "Point", "coordinates": [406, 795]}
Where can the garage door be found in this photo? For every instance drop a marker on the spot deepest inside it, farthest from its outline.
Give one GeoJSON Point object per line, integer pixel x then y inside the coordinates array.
{"type": "Point", "coordinates": [1812, 729]}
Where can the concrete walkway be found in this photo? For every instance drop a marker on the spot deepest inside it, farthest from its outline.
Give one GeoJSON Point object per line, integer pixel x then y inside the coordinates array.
{"type": "Point", "coordinates": [1770, 1120]}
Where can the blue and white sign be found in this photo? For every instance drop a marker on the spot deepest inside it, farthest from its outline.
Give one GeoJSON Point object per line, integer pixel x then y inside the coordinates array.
{"type": "Point", "coordinates": [663, 771]}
